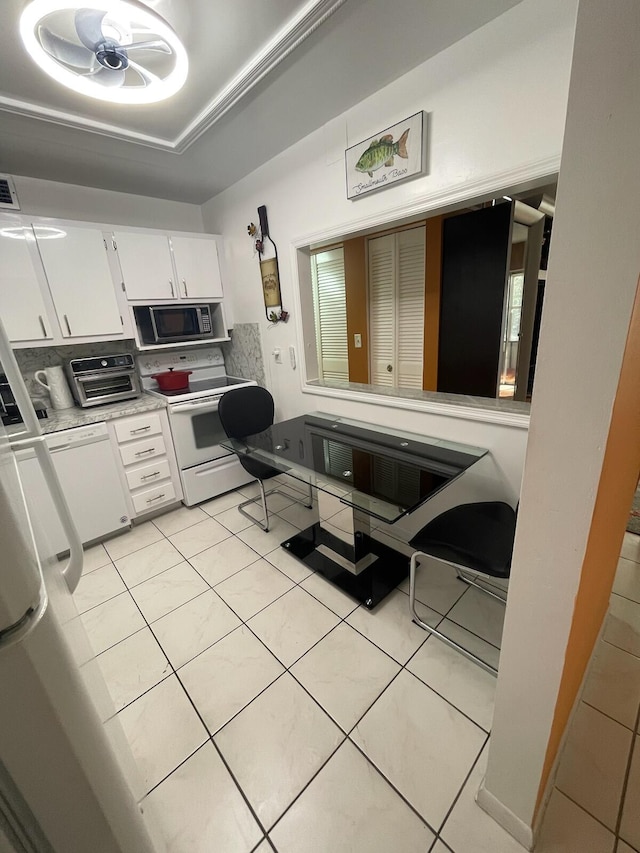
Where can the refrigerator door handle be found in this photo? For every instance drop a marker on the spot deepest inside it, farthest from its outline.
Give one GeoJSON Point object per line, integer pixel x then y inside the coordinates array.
{"type": "Point", "coordinates": [72, 572]}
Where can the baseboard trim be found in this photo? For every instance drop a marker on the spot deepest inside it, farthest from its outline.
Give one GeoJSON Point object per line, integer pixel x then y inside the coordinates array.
{"type": "Point", "coordinates": [522, 832]}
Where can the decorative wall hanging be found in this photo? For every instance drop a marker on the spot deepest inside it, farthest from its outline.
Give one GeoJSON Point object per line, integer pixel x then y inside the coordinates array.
{"type": "Point", "coordinates": [269, 272]}
{"type": "Point", "coordinates": [392, 155]}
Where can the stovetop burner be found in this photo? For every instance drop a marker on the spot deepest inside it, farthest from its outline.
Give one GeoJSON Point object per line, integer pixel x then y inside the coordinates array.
{"type": "Point", "coordinates": [201, 386]}
{"type": "Point", "coordinates": [208, 377]}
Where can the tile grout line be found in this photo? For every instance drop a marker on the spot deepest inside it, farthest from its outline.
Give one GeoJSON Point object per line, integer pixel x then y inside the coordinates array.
{"type": "Point", "coordinates": [583, 809]}
{"type": "Point", "coordinates": [623, 795]}
{"type": "Point", "coordinates": [287, 669]}
{"type": "Point", "coordinates": [604, 714]}
{"type": "Point", "coordinates": [206, 728]}
{"type": "Point", "coordinates": [462, 787]}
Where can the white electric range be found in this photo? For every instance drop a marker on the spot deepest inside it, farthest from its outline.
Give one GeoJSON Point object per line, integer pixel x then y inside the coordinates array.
{"type": "Point", "coordinates": [206, 469]}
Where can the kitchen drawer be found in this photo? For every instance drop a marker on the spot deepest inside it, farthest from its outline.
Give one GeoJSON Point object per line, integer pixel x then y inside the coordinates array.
{"type": "Point", "coordinates": [149, 474]}
{"type": "Point", "coordinates": [152, 498]}
{"type": "Point", "coordinates": [138, 427]}
{"type": "Point", "coordinates": [140, 451]}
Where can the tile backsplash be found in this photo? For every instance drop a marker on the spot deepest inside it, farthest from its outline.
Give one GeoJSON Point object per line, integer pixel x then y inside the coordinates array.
{"type": "Point", "coordinates": [243, 353]}
{"type": "Point", "coordinates": [36, 358]}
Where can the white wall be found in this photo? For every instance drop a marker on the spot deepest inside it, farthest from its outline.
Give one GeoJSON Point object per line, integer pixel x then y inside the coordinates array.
{"type": "Point", "coordinates": [591, 285]}
{"type": "Point", "coordinates": [496, 102]}
{"type": "Point", "coordinates": [70, 201]}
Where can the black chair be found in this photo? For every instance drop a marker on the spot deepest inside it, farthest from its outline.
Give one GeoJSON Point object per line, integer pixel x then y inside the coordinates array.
{"type": "Point", "coordinates": [244, 412]}
{"type": "Point", "coordinates": [475, 536]}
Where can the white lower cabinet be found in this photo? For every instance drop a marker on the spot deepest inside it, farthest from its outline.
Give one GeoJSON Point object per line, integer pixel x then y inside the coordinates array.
{"type": "Point", "coordinates": [149, 471]}
{"type": "Point", "coordinates": [88, 470]}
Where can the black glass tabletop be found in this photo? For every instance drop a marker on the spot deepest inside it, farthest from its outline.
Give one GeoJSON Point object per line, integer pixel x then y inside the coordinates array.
{"type": "Point", "coordinates": [382, 472]}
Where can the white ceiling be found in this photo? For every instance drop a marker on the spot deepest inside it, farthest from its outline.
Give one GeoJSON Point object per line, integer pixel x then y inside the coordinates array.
{"type": "Point", "coordinates": [263, 74]}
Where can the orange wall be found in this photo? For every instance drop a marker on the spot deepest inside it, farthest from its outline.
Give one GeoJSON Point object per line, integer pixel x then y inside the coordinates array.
{"type": "Point", "coordinates": [355, 278]}
{"type": "Point", "coordinates": [621, 466]}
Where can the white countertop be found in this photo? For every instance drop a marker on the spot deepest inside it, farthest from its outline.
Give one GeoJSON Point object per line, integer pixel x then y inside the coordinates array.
{"type": "Point", "coordinates": [68, 418]}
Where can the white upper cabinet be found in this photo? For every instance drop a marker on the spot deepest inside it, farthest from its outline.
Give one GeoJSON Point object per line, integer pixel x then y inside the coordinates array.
{"type": "Point", "coordinates": [145, 261]}
{"type": "Point", "coordinates": [22, 306]}
{"type": "Point", "coordinates": [80, 281]}
{"type": "Point", "coordinates": [197, 267]}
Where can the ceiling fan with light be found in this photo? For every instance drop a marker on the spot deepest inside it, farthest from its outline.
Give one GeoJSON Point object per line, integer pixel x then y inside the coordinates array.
{"type": "Point", "coordinates": [114, 50]}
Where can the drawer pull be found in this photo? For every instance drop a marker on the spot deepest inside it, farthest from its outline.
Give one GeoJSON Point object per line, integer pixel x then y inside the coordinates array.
{"type": "Point", "coordinates": [150, 476]}
{"type": "Point", "coordinates": [140, 429]}
{"type": "Point", "coordinates": [148, 450]}
{"type": "Point", "coordinates": [157, 498]}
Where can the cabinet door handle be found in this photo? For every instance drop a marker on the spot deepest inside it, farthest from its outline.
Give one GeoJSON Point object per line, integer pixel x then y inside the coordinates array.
{"type": "Point", "coordinates": [184, 284]}
{"type": "Point", "coordinates": [157, 498]}
{"type": "Point", "coordinates": [114, 244]}
{"type": "Point", "coordinates": [171, 286]}
{"type": "Point", "coordinates": [149, 476]}
{"type": "Point", "coordinates": [66, 320]}
{"type": "Point", "coordinates": [42, 326]}
{"type": "Point", "coordinates": [140, 429]}
{"type": "Point", "coordinates": [142, 452]}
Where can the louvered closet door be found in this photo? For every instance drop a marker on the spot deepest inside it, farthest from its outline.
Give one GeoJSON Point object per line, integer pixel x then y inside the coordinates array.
{"type": "Point", "coordinates": [410, 248]}
{"type": "Point", "coordinates": [396, 308]}
{"type": "Point", "coordinates": [331, 314]}
{"type": "Point", "coordinates": [382, 335]}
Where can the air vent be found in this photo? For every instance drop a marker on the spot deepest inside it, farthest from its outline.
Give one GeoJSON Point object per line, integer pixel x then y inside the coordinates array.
{"type": "Point", "coordinates": [8, 195]}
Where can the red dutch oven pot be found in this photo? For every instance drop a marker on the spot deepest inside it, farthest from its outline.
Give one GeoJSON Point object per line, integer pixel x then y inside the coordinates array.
{"type": "Point", "coordinates": [172, 380]}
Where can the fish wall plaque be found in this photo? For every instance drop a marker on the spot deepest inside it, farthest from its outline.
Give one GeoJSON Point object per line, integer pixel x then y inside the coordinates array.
{"type": "Point", "coordinates": [390, 156]}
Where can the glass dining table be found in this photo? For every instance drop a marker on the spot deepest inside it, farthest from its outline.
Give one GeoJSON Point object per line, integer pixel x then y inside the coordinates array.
{"type": "Point", "coordinates": [360, 475]}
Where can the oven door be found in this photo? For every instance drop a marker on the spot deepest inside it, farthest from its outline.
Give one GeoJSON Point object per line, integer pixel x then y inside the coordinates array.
{"type": "Point", "coordinates": [197, 432]}
{"type": "Point", "coordinates": [94, 389]}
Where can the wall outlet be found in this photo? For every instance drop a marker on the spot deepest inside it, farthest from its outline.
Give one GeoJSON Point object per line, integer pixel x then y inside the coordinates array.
{"type": "Point", "coordinates": [277, 354]}
{"type": "Point", "coordinates": [357, 341]}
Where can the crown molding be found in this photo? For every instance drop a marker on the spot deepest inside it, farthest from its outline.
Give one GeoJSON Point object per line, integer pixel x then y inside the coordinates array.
{"type": "Point", "coordinates": [287, 39]}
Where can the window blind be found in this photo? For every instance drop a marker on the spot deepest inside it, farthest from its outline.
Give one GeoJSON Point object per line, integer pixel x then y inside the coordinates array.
{"type": "Point", "coordinates": [330, 306]}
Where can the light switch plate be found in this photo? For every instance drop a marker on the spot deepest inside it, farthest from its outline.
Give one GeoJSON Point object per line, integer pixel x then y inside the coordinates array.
{"type": "Point", "coordinates": [277, 354]}
{"type": "Point", "coordinates": [357, 341]}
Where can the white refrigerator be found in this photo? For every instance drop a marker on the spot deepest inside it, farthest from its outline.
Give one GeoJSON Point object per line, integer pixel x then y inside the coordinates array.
{"type": "Point", "coordinates": [67, 780]}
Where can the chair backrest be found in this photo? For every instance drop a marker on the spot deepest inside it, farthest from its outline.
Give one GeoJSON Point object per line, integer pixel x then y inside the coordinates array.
{"type": "Point", "coordinates": [246, 411]}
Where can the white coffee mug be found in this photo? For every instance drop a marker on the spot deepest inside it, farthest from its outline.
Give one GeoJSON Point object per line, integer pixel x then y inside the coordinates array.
{"type": "Point", "coordinates": [56, 384]}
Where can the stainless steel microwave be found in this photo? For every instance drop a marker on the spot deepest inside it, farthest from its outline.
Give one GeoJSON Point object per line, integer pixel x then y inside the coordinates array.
{"type": "Point", "coordinates": [170, 324]}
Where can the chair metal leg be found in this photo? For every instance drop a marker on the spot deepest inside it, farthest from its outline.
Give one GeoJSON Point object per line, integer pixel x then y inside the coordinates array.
{"type": "Point", "coordinates": [473, 582]}
{"type": "Point", "coordinates": [414, 614]}
{"type": "Point", "coordinates": [263, 496]}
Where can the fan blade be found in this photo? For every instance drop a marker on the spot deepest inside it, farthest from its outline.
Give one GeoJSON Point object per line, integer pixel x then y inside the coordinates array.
{"type": "Point", "coordinates": [147, 76]}
{"type": "Point", "coordinates": [65, 51]}
{"type": "Point", "coordinates": [109, 77]}
{"type": "Point", "coordinates": [89, 27]}
{"type": "Point", "coordinates": [149, 45]}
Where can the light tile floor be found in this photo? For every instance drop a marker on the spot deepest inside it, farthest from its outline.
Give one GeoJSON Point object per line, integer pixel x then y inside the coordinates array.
{"type": "Point", "coordinates": [268, 711]}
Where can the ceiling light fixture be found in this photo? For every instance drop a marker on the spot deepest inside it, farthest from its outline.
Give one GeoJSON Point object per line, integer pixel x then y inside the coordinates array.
{"type": "Point", "coordinates": [43, 232]}
{"type": "Point", "coordinates": [118, 51]}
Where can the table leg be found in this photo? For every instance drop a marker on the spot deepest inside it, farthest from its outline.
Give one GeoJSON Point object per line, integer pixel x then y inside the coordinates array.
{"type": "Point", "coordinates": [346, 554]}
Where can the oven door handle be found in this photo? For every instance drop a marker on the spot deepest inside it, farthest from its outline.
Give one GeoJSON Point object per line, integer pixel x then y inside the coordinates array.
{"type": "Point", "coordinates": [185, 408]}
{"type": "Point", "coordinates": [103, 374]}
